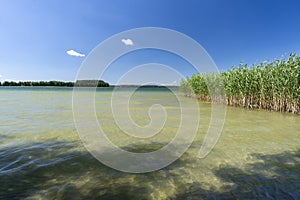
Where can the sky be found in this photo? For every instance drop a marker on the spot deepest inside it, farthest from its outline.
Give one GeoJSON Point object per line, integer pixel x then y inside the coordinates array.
{"type": "Point", "coordinates": [49, 40]}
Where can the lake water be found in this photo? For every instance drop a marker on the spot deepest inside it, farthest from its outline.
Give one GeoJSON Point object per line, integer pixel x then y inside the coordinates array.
{"type": "Point", "coordinates": [41, 156]}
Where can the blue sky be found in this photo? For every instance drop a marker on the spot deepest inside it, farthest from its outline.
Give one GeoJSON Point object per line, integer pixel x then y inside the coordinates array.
{"type": "Point", "coordinates": [35, 35]}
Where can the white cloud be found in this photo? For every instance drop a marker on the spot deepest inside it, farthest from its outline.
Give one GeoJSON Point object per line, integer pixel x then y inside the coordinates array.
{"type": "Point", "coordinates": [127, 42]}
{"type": "Point", "coordinates": [74, 53]}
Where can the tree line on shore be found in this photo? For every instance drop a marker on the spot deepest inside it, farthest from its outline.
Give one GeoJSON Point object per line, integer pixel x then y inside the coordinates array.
{"type": "Point", "coordinates": [78, 83]}
{"type": "Point", "coordinates": [269, 85]}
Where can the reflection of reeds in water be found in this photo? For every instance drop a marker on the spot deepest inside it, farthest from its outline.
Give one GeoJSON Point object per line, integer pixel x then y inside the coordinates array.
{"type": "Point", "coordinates": [271, 86]}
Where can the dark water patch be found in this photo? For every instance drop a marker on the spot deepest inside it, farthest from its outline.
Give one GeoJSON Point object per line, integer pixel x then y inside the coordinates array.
{"type": "Point", "coordinates": [3, 138]}
{"type": "Point", "coordinates": [144, 148]}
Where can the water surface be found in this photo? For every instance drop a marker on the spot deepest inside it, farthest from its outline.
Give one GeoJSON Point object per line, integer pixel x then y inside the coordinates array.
{"type": "Point", "coordinates": [42, 157]}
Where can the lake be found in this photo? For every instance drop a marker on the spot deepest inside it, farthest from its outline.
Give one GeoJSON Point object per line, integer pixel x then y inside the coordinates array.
{"type": "Point", "coordinates": [42, 157]}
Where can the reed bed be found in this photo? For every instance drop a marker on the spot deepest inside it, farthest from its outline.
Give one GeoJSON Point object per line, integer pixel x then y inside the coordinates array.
{"type": "Point", "coordinates": [269, 85]}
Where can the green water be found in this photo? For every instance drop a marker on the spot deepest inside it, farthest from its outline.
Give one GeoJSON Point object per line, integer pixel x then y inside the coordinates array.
{"type": "Point", "coordinates": [42, 157]}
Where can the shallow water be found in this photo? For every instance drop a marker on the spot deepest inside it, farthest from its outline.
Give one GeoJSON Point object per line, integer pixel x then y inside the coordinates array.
{"type": "Point", "coordinates": [42, 157]}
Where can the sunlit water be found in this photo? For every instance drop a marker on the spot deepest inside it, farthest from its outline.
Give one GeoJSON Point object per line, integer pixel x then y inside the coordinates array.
{"type": "Point", "coordinates": [42, 157]}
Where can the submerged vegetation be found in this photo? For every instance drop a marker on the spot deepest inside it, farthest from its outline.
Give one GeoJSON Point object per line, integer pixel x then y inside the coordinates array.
{"type": "Point", "coordinates": [79, 83]}
{"type": "Point", "coordinates": [272, 86]}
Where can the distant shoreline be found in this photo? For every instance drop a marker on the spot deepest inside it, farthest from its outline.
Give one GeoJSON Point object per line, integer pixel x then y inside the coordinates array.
{"type": "Point", "coordinates": [78, 83]}
{"type": "Point", "coordinates": [111, 86]}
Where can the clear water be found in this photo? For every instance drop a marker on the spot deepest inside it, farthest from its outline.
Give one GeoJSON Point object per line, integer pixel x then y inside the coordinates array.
{"type": "Point", "coordinates": [41, 156]}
